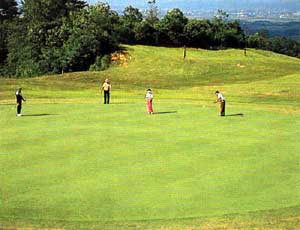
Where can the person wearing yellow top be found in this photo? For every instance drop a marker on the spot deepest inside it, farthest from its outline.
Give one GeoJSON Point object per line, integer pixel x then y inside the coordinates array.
{"type": "Point", "coordinates": [106, 87]}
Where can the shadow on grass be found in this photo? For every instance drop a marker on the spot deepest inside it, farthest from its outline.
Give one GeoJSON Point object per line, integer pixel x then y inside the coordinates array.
{"type": "Point", "coordinates": [166, 112]}
{"type": "Point", "coordinates": [38, 115]}
{"type": "Point", "coordinates": [14, 104]}
{"type": "Point", "coordinates": [235, 115]}
{"type": "Point", "coordinates": [117, 103]}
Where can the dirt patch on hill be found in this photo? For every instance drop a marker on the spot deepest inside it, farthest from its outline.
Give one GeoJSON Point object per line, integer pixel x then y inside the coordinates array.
{"type": "Point", "coordinates": [121, 58]}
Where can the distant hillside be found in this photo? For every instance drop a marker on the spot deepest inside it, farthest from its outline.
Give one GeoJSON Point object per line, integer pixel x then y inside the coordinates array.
{"type": "Point", "coordinates": [275, 29]}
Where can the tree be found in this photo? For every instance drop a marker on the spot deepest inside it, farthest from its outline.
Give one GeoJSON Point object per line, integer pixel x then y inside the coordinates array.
{"type": "Point", "coordinates": [256, 41]}
{"type": "Point", "coordinates": [146, 31]}
{"type": "Point", "coordinates": [50, 10]}
{"type": "Point", "coordinates": [145, 34]}
{"type": "Point", "coordinates": [21, 57]}
{"type": "Point", "coordinates": [132, 15]}
{"type": "Point", "coordinates": [8, 12]}
{"type": "Point", "coordinates": [234, 35]}
{"type": "Point", "coordinates": [130, 19]}
{"type": "Point", "coordinates": [94, 34]}
{"type": "Point", "coordinates": [173, 25]}
{"type": "Point", "coordinates": [198, 33]}
{"type": "Point", "coordinates": [56, 36]}
{"type": "Point", "coordinates": [219, 28]}
{"type": "Point", "coordinates": [152, 13]}
{"type": "Point", "coordinates": [284, 46]}
{"type": "Point", "coordinates": [87, 35]}
{"type": "Point", "coordinates": [37, 35]}
{"type": "Point", "coordinates": [221, 15]}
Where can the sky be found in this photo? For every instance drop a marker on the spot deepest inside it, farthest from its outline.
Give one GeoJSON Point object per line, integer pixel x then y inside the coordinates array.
{"type": "Point", "coordinates": [207, 4]}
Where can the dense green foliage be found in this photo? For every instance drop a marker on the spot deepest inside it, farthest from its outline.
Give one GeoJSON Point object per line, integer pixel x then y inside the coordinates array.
{"type": "Point", "coordinates": [261, 40]}
{"type": "Point", "coordinates": [8, 11]}
{"type": "Point", "coordinates": [50, 36]}
{"type": "Point", "coordinates": [174, 29]}
{"type": "Point", "coordinates": [63, 36]}
{"type": "Point", "coordinates": [72, 163]}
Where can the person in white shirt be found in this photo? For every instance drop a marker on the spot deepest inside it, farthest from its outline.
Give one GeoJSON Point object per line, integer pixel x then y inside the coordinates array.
{"type": "Point", "coordinates": [221, 100]}
{"type": "Point", "coordinates": [149, 99]}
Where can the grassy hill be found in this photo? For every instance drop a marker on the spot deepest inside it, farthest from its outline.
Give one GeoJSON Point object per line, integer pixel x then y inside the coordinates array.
{"type": "Point", "coordinates": [164, 68]}
{"type": "Point", "coordinates": [73, 163]}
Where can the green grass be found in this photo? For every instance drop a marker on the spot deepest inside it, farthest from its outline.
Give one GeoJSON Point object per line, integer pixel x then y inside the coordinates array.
{"type": "Point", "coordinates": [75, 163]}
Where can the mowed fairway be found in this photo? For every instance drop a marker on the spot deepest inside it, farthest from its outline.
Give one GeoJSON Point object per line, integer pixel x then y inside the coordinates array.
{"type": "Point", "coordinates": [72, 162]}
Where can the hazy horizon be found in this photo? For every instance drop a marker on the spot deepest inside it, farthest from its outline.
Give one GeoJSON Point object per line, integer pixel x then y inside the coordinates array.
{"type": "Point", "coordinates": [209, 5]}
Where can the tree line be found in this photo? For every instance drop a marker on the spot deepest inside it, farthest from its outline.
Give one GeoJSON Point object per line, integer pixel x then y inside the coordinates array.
{"type": "Point", "coordinates": [56, 36]}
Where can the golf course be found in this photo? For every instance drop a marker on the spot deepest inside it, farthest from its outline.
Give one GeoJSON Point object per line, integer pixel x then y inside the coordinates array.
{"type": "Point", "coordinates": [71, 162]}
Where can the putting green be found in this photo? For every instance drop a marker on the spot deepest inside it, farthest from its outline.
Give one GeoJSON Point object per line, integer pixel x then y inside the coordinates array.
{"type": "Point", "coordinates": [90, 162]}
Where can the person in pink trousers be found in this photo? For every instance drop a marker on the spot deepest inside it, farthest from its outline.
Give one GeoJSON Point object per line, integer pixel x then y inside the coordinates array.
{"type": "Point", "coordinates": [149, 99]}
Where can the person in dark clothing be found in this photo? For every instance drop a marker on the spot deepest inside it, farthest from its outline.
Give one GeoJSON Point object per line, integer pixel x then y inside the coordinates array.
{"type": "Point", "coordinates": [19, 99]}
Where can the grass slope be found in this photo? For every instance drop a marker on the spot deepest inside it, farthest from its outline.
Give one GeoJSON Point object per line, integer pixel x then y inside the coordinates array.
{"type": "Point", "coordinates": [74, 163]}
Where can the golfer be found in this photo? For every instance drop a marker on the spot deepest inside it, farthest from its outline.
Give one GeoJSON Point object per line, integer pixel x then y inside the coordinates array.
{"type": "Point", "coordinates": [106, 87]}
{"type": "Point", "coordinates": [20, 99]}
{"type": "Point", "coordinates": [221, 100]}
{"type": "Point", "coordinates": [149, 99]}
